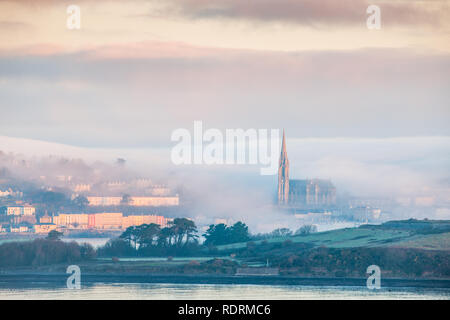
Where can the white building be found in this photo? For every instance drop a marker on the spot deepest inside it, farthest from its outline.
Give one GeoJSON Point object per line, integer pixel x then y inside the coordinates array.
{"type": "Point", "coordinates": [82, 188]}
{"type": "Point", "coordinates": [135, 201]}
{"type": "Point", "coordinates": [21, 211]}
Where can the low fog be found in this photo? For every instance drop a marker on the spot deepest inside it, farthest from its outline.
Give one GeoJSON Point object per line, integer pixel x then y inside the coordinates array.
{"type": "Point", "coordinates": [411, 172]}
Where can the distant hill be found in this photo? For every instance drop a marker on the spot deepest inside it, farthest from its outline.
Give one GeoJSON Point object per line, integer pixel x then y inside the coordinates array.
{"type": "Point", "coordinates": [402, 249]}
{"type": "Point", "coordinates": [420, 234]}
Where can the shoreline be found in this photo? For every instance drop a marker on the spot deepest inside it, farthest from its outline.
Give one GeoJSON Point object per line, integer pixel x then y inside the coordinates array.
{"type": "Point", "coordinates": [45, 279]}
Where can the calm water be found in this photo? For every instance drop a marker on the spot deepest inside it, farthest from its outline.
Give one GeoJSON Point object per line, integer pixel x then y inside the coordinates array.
{"type": "Point", "coordinates": [95, 242]}
{"type": "Point", "coordinates": [124, 291]}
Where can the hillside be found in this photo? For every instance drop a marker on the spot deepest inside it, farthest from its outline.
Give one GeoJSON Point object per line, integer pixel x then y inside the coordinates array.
{"type": "Point", "coordinates": [419, 234]}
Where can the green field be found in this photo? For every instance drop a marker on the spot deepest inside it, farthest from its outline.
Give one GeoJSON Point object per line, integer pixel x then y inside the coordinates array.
{"type": "Point", "coordinates": [404, 249]}
{"type": "Point", "coordinates": [405, 234]}
{"type": "Point", "coordinates": [431, 242]}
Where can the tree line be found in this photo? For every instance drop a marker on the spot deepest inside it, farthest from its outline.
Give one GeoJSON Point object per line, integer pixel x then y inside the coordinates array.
{"type": "Point", "coordinates": [179, 238]}
{"type": "Point", "coordinates": [179, 234]}
{"type": "Point", "coordinates": [44, 252]}
{"type": "Point", "coordinates": [286, 233]}
{"type": "Point", "coordinates": [221, 234]}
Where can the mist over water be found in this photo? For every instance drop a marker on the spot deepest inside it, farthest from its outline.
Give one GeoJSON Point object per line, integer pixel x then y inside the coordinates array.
{"type": "Point", "coordinates": [412, 172]}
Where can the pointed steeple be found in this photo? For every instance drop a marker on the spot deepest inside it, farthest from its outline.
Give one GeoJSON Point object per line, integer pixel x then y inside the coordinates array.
{"type": "Point", "coordinates": [283, 155]}
{"type": "Point", "coordinates": [283, 175]}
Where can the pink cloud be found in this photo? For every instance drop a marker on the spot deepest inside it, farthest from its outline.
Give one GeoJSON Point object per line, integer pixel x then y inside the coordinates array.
{"type": "Point", "coordinates": [313, 12]}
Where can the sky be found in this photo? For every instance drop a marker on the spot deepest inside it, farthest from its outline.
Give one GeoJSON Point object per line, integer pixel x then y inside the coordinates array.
{"type": "Point", "coordinates": [137, 70]}
{"type": "Point", "coordinates": [356, 103]}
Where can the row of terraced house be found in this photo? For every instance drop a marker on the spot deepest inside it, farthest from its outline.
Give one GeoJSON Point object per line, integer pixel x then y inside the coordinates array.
{"type": "Point", "coordinates": [21, 219]}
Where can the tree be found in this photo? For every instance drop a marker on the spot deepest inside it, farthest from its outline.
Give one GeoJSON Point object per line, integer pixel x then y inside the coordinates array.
{"type": "Point", "coordinates": [147, 234]}
{"type": "Point", "coordinates": [165, 237]}
{"type": "Point", "coordinates": [143, 235]}
{"type": "Point", "coordinates": [116, 247]}
{"type": "Point", "coordinates": [126, 198]}
{"type": "Point", "coordinates": [43, 252]}
{"type": "Point", "coordinates": [131, 236]}
{"type": "Point", "coordinates": [239, 232]}
{"type": "Point", "coordinates": [216, 235]}
{"type": "Point", "coordinates": [281, 232]}
{"type": "Point", "coordinates": [54, 235]}
{"type": "Point", "coordinates": [306, 229]}
{"type": "Point", "coordinates": [183, 228]}
{"type": "Point", "coordinates": [80, 202]}
{"type": "Point", "coordinates": [53, 201]}
{"type": "Point", "coordinates": [221, 234]}
{"type": "Point", "coordinates": [87, 251]}
{"type": "Point", "coordinates": [181, 234]}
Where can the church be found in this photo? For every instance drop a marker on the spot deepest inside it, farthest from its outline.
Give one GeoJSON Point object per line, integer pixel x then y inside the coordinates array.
{"type": "Point", "coordinates": [302, 194]}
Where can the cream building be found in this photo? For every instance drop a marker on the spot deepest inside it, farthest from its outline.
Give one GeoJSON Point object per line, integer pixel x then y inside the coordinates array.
{"type": "Point", "coordinates": [135, 201]}
{"type": "Point", "coordinates": [106, 221]}
{"type": "Point", "coordinates": [44, 228]}
{"type": "Point", "coordinates": [74, 220]}
{"type": "Point", "coordinates": [139, 220]}
{"type": "Point", "coordinates": [154, 201]}
{"type": "Point", "coordinates": [104, 201]}
{"type": "Point", "coordinates": [82, 188]}
{"type": "Point", "coordinates": [21, 211]}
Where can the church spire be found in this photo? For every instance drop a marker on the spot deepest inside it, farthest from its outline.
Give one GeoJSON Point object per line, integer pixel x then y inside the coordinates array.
{"type": "Point", "coordinates": [283, 155]}
{"type": "Point", "coordinates": [283, 175]}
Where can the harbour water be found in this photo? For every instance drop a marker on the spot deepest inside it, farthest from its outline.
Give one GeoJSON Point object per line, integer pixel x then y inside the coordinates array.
{"type": "Point", "coordinates": [95, 242]}
{"type": "Point", "coordinates": [157, 291]}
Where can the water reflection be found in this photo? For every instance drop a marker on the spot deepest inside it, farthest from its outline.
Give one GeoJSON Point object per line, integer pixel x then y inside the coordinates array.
{"type": "Point", "coordinates": [124, 291]}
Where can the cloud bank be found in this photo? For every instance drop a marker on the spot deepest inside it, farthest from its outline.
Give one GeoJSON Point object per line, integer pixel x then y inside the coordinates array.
{"type": "Point", "coordinates": [109, 97]}
{"type": "Point", "coordinates": [313, 12]}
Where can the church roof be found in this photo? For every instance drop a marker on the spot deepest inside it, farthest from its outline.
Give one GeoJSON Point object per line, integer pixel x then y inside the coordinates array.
{"type": "Point", "coordinates": [302, 183]}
